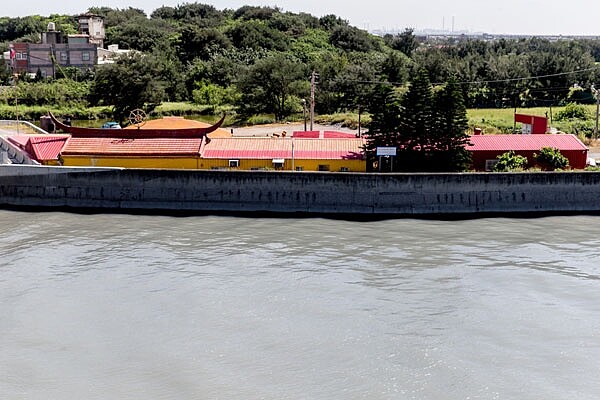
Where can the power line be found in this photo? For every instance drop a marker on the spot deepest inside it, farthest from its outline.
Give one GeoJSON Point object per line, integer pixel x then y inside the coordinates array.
{"type": "Point", "coordinates": [530, 77]}
{"type": "Point", "coordinates": [524, 78]}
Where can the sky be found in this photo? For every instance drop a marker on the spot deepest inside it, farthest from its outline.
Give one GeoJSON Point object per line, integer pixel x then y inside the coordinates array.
{"type": "Point", "coordinates": [530, 17]}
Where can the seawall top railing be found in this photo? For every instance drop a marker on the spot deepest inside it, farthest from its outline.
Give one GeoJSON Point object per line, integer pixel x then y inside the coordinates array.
{"type": "Point", "coordinates": [20, 127]}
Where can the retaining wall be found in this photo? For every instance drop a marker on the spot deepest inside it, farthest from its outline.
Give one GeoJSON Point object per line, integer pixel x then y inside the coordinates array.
{"type": "Point", "coordinates": [307, 192]}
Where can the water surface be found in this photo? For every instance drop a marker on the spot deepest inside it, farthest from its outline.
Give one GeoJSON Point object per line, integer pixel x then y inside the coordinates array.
{"type": "Point", "coordinates": [150, 307]}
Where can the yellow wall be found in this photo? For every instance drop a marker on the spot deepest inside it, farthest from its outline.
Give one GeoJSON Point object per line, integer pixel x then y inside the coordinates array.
{"type": "Point", "coordinates": [199, 163]}
{"type": "Point", "coordinates": [53, 163]}
{"type": "Point", "coordinates": [131, 162]}
{"type": "Point", "coordinates": [307, 165]}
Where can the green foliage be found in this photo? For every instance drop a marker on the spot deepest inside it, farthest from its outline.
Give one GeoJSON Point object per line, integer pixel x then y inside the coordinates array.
{"type": "Point", "coordinates": [573, 111]}
{"type": "Point", "coordinates": [254, 34]}
{"type": "Point", "coordinates": [128, 84]}
{"type": "Point", "coordinates": [139, 33]}
{"type": "Point", "coordinates": [15, 28]}
{"type": "Point", "coordinates": [62, 92]}
{"type": "Point", "coordinates": [214, 95]}
{"type": "Point", "coordinates": [196, 42]}
{"type": "Point", "coordinates": [194, 14]}
{"type": "Point", "coordinates": [450, 130]}
{"type": "Point", "coordinates": [330, 22]}
{"type": "Point", "coordinates": [269, 85]}
{"type": "Point", "coordinates": [427, 129]}
{"type": "Point", "coordinates": [550, 159]}
{"type": "Point", "coordinates": [395, 68]}
{"type": "Point", "coordinates": [405, 42]}
{"type": "Point", "coordinates": [33, 113]}
{"type": "Point", "coordinates": [350, 38]}
{"type": "Point", "coordinates": [577, 94]}
{"type": "Point", "coordinates": [510, 161]}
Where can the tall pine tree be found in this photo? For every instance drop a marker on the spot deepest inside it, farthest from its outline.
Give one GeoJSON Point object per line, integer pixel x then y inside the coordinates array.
{"type": "Point", "coordinates": [450, 130]}
{"type": "Point", "coordinates": [428, 130]}
{"type": "Point", "coordinates": [383, 129]}
{"type": "Point", "coordinates": [416, 124]}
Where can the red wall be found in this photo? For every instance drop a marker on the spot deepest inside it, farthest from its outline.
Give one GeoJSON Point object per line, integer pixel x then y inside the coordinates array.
{"type": "Point", "coordinates": [539, 125]}
{"type": "Point", "coordinates": [577, 158]}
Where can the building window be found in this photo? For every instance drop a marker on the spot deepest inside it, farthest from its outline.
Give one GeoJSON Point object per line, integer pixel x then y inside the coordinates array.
{"type": "Point", "coordinates": [21, 56]}
{"type": "Point", "coordinates": [344, 169]}
{"type": "Point", "coordinates": [85, 56]}
{"type": "Point", "coordinates": [299, 168]}
{"type": "Point", "coordinates": [234, 163]}
{"type": "Point", "coordinates": [278, 163]}
{"type": "Point", "coordinates": [64, 56]}
{"type": "Point", "coordinates": [323, 167]}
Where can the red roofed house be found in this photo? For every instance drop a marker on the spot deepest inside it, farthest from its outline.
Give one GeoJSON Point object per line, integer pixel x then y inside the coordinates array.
{"type": "Point", "coordinates": [44, 149]}
{"type": "Point", "coordinates": [486, 148]}
{"type": "Point", "coordinates": [164, 143]}
{"type": "Point", "coordinates": [132, 152]}
{"type": "Point", "coordinates": [299, 154]}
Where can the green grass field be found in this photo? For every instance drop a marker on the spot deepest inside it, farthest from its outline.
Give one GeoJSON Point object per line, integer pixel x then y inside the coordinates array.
{"type": "Point", "coordinates": [501, 120]}
{"type": "Point", "coordinates": [490, 120]}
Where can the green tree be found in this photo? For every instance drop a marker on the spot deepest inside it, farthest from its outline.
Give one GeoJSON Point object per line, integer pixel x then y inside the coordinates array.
{"type": "Point", "coordinates": [416, 124]}
{"type": "Point", "coordinates": [140, 33]}
{"type": "Point", "coordinates": [406, 41]}
{"type": "Point", "coordinates": [385, 119]}
{"type": "Point", "coordinates": [550, 159]}
{"type": "Point", "coordinates": [449, 134]}
{"type": "Point", "coordinates": [510, 161]}
{"type": "Point", "coordinates": [197, 42]}
{"type": "Point", "coordinates": [269, 85]}
{"type": "Point", "coordinates": [429, 131]}
{"type": "Point", "coordinates": [350, 38]}
{"type": "Point", "coordinates": [573, 111]}
{"type": "Point", "coordinates": [256, 34]}
{"type": "Point", "coordinates": [128, 84]}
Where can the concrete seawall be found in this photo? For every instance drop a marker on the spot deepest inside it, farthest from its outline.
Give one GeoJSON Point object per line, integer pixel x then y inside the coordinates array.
{"type": "Point", "coordinates": [326, 193]}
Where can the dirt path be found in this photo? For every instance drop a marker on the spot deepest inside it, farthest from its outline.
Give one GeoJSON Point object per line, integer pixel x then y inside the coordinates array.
{"type": "Point", "coordinates": [278, 129]}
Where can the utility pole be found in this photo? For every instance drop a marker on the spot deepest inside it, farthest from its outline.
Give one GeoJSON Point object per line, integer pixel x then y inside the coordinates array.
{"type": "Point", "coordinates": [596, 93]}
{"type": "Point", "coordinates": [359, 110]}
{"type": "Point", "coordinates": [313, 81]}
{"type": "Point", "coordinates": [304, 113]}
{"type": "Point", "coordinates": [16, 80]}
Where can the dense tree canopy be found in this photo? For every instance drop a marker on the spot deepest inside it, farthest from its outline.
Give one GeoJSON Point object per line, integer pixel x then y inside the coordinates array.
{"type": "Point", "coordinates": [198, 45]}
{"type": "Point", "coordinates": [428, 129]}
{"type": "Point", "coordinates": [129, 84]}
{"type": "Point", "coordinates": [270, 85]}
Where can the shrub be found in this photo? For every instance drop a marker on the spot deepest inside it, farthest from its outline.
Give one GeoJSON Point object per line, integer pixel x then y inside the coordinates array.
{"type": "Point", "coordinates": [573, 111]}
{"type": "Point", "coordinates": [550, 159]}
{"type": "Point", "coordinates": [510, 161]}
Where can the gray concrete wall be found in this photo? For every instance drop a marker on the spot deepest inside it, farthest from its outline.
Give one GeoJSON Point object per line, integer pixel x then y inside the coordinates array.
{"type": "Point", "coordinates": [330, 193]}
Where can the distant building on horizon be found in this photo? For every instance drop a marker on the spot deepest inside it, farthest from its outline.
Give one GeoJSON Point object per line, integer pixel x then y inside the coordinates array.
{"type": "Point", "coordinates": [83, 50]}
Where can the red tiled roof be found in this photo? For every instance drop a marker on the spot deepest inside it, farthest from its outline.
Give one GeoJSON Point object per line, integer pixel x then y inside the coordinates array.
{"type": "Point", "coordinates": [323, 135]}
{"type": "Point", "coordinates": [177, 147]}
{"type": "Point", "coordinates": [268, 148]}
{"type": "Point", "coordinates": [19, 140]}
{"type": "Point", "coordinates": [306, 134]}
{"type": "Point", "coordinates": [337, 135]}
{"type": "Point", "coordinates": [40, 147]}
{"type": "Point", "coordinates": [524, 142]}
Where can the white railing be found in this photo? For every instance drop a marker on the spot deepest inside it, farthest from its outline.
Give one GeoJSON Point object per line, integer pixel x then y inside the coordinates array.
{"type": "Point", "coordinates": [18, 126]}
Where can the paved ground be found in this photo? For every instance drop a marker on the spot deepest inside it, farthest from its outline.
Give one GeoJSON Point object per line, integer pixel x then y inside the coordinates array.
{"type": "Point", "coordinates": [270, 129]}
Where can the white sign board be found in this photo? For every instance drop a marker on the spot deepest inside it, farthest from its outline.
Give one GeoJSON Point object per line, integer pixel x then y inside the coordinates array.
{"type": "Point", "coordinates": [386, 151]}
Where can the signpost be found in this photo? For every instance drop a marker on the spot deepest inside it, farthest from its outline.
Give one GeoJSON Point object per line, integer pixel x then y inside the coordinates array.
{"type": "Point", "coordinates": [386, 152]}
